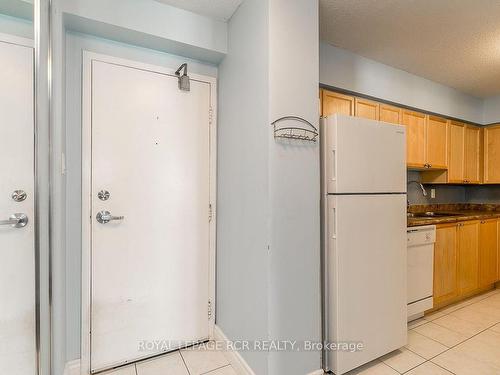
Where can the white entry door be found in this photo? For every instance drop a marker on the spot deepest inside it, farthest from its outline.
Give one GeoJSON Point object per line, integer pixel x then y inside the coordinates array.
{"type": "Point", "coordinates": [17, 256]}
{"type": "Point", "coordinates": [150, 176]}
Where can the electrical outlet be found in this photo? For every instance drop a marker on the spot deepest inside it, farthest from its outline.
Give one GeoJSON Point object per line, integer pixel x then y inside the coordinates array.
{"type": "Point", "coordinates": [433, 193]}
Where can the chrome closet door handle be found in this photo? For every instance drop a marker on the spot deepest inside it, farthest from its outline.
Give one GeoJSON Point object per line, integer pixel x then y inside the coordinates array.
{"type": "Point", "coordinates": [104, 217]}
{"type": "Point", "coordinates": [16, 221]}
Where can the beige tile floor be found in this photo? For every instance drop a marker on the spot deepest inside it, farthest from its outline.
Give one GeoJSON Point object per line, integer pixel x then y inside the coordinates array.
{"type": "Point", "coordinates": [195, 361]}
{"type": "Point", "coordinates": [463, 339]}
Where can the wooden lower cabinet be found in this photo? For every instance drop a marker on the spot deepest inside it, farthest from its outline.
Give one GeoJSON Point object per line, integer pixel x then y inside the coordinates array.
{"type": "Point", "coordinates": [445, 264]}
{"type": "Point", "coordinates": [488, 252]}
{"type": "Point", "coordinates": [466, 259]}
{"type": "Point", "coordinates": [468, 256]}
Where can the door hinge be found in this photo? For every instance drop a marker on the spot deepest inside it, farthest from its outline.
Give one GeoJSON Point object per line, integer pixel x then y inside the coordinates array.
{"type": "Point", "coordinates": [210, 212]}
{"type": "Point", "coordinates": [209, 309]}
{"type": "Point", "coordinates": [210, 115]}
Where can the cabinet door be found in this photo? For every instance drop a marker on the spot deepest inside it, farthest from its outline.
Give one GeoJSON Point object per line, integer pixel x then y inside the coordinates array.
{"type": "Point", "coordinates": [445, 264]}
{"type": "Point", "coordinates": [436, 142]}
{"type": "Point", "coordinates": [415, 138]}
{"type": "Point", "coordinates": [456, 145]}
{"type": "Point", "coordinates": [468, 256]}
{"type": "Point", "coordinates": [492, 154]}
{"type": "Point", "coordinates": [366, 108]}
{"type": "Point", "coordinates": [488, 252]}
{"type": "Point", "coordinates": [390, 114]}
{"type": "Point", "coordinates": [471, 163]}
{"type": "Point", "coordinates": [333, 102]}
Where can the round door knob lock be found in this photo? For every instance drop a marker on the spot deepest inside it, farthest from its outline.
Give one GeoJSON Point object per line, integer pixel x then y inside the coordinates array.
{"type": "Point", "coordinates": [103, 195]}
{"type": "Point", "coordinates": [19, 195]}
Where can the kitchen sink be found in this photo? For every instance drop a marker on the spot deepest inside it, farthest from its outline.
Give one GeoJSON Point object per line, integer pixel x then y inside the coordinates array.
{"type": "Point", "coordinates": [432, 214]}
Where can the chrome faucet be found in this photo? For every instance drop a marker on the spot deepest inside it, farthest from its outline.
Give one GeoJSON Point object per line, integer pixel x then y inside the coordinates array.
{"type": "Point", "coordinates": [424, 192]}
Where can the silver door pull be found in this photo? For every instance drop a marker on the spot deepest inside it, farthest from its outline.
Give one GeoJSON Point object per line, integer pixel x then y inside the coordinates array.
{"type": "Point", "coordinates": [104, 217]}
{"type": "Point", "coordinates": [16, 221]}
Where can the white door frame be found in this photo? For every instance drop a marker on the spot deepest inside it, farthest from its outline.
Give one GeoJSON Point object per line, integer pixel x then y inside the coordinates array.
{"type": "Point", "coordinates": [29, 43]}
{"type": "Point", "coordinates": [88, 57]}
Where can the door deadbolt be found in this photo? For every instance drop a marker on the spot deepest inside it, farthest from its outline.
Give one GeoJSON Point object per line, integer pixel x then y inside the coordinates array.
{"type": "Point", "coordinates": [19, 195]}
{"type": "Point", "coordinates": [103, 195]}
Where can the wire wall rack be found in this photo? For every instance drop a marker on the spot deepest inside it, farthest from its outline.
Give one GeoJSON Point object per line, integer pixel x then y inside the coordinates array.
{"type": "Point", "coordinates": [307, 133]}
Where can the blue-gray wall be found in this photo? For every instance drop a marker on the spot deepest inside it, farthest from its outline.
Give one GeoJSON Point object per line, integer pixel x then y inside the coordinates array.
{"type": "Point", "coordinates": [347, 70]}
{"type": "Point", "coordinates": [243, 181]}
{"type": "Point", "coordinates": [444, 193]}
{"type": "Point", "coordinates": [294, 186]}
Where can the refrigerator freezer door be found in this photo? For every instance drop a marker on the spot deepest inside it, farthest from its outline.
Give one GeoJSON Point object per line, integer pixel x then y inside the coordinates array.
{"type": "Point", "coordinates": [366, 268]}
{"type": "Point", "coordinates": [362, 156]}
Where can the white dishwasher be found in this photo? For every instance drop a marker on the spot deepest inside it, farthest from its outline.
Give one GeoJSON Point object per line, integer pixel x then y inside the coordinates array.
{"type": "Point", "coordinates": [420, 269]}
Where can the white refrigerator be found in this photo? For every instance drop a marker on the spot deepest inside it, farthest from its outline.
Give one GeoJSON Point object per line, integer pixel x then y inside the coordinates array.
{"type": "Point", "coordinates": [363, 240]}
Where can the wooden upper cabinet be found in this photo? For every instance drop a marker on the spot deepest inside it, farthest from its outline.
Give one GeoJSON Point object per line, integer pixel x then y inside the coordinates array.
{"type": "Point", "coordinates": [456, 152]}
{"type": "Point", "coordinates": [492, 154]}
{"type": "Point", "coordinates": [366, 109]}
{"type": "Point", "coordinates": [445, 264]}
{"type": "Point", "coordinates": [468, 257]}
{"type": "Point", "coordinates": [415, 138]}
{"type": "Point", "coordinates": [390, 114]}
{"type": "Point", "coordinates": [488, 252]}
{"type": "Point", "coordinates": [445, 151]}
{"type": "Point", "coordinates": [471, 162]}
{"type": "Point", "coordinates": [333, 102]}
{"type": "Point", "coordinates": [436, 145]}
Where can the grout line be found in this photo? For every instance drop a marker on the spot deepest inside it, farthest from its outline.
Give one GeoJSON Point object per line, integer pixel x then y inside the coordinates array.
{"type": "Point", "coordinates": [390, 366]}
{"type": "Point", "coordinates": [215, 369]}
{"type": "Point", "coordinates": [418, 355]}
{"type": "Point", "coordinates": [448, 348]}
{"type": "Point", "coordinates": [185, 364]}
{"type": "Point", "coordinates": [444, 368]}
{"type": "Point", "coordinates": [462, 342]}
{"type": "Point", "coordinates": [429, 338]}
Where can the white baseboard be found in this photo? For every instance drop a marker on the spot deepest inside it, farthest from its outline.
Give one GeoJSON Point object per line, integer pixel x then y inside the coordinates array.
{"type": "Point", "coordinates": [72, 367]}
{"type": "Point", "coordinates": [317, 372]}
{"type": "Point", "coordinates": [235, 359]}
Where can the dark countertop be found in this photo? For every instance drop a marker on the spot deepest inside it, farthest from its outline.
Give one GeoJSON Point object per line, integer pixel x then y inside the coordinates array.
{"type": "Point", "coordinates": [459, 212]}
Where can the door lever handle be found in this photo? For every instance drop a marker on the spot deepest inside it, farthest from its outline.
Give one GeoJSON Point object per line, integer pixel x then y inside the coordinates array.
{"type": "Point", "coordinates": [16, 221]}
{"type": "Point", "coordinates": [104, 217]}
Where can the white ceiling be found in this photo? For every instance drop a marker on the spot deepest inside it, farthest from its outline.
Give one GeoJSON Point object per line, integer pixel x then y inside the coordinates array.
{"type": "Point", "coordinates": [219, 9]}
{"type": "Point", "coordinates": [453, 42]}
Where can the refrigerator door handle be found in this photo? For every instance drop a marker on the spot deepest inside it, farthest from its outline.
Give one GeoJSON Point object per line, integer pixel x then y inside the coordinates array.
{"type": "Point", "coordinates": [333, 223]}
{"type": "Point", "coordinates": [334, 165]}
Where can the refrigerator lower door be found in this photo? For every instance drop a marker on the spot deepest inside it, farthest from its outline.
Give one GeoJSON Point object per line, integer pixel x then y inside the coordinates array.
{"type": "Point", "coordinates": [366, 278]}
